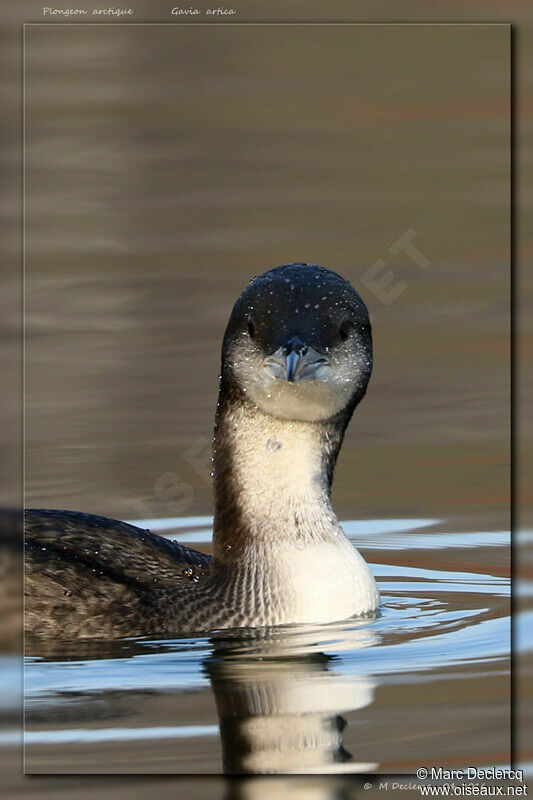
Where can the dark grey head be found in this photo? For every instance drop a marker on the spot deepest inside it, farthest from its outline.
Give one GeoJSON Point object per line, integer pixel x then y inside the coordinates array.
{"type": "Point", "coordinates": [299, 344]}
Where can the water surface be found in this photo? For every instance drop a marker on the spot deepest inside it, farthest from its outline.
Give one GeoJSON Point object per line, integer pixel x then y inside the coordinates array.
{"type": "Point", "coordinates": [165, 167]}
{"type": "Point", "coordinates": [326, 698]}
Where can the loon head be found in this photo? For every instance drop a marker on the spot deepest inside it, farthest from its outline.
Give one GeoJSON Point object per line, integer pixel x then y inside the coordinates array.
{"type": "Point", "coordinates": [298, 344]}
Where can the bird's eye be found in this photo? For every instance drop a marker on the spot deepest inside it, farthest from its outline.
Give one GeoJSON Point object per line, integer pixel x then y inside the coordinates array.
{"type": "Point", "coordinates": [251, 326]}
{"type": "Point", "coordinates": [344, 329]}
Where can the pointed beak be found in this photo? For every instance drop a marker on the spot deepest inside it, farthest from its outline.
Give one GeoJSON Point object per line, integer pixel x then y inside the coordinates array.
{"type": "Point", "coordinates": [295, 361]}
{"type": "Point", "coordinates": [291, 361]}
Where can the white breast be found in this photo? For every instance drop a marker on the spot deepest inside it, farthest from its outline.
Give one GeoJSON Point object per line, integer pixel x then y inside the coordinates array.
{"type": "Point", "coordinates": [307, 570]}
{"type": "Point", "coordinates": [324, 582]}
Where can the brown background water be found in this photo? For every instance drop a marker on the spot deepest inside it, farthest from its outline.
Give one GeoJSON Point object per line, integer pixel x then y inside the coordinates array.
{"type": "Point", "coordinates": [166, 166]}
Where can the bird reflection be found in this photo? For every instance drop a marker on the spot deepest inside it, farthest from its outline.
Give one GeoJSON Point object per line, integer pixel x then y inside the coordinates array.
{"type": "Point", "coordinates": [294, 788]}
{"type": "Point", "coordinates": [282, 696]}
{"type": "Point", "coordinates": [281, 701]}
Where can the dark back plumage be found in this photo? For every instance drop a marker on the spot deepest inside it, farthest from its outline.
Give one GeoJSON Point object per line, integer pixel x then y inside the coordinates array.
{"type": "Point", "coordinates": [92, 575]}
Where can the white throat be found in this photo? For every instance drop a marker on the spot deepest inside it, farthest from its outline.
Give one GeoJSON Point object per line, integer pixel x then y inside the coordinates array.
{"type": "Point", "coordinates": [283, 488]}
{"type": "Point", "coordinates": [308, 567]}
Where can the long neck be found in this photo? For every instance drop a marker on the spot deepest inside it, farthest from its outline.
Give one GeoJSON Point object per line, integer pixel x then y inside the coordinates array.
{"type": "Point", "coordinates": [272, 481]}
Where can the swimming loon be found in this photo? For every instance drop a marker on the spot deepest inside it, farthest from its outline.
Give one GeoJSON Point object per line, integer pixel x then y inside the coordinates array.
{"type": "Point", "coordinates": [296, 361]}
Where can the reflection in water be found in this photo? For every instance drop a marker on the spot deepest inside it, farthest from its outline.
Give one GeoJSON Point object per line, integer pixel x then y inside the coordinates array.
{"type": "Point", "coordinates": [280, 697]}
{"type": "Point", "coordinates": [293, 788]}
{"type": "Point", "coordinates": [280, 704]}
{"type": "Point", "coordinates": [145, 214]}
